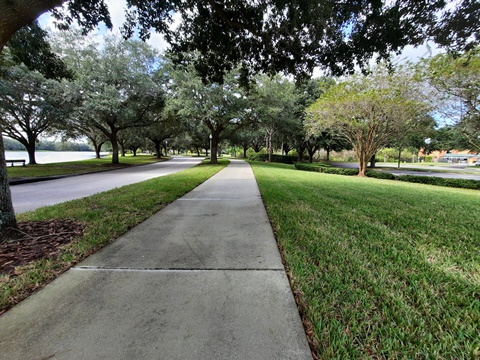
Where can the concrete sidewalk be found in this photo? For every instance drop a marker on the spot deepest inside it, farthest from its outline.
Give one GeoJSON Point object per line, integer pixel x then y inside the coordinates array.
{"type": "Point", "coordinates": [201, 279]}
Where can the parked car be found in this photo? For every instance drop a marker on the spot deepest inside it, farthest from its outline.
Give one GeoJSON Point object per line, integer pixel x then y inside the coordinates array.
{"type": "Point", "coordinates": [477, 163]}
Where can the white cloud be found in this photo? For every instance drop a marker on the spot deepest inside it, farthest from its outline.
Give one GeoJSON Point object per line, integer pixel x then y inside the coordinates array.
{"type": "Point", "coordinates": [414, 53]}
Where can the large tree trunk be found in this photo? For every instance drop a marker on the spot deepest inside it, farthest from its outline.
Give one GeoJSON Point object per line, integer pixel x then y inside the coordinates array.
{"type": "Point", "coordinates": [98, 149]}
{"type": "Point", "coordinates": [245, 152]}
{"type": "Point", "coordinates": [373, 161]}
{"type": "Point", "coordinates": [158, 149]}
{"type": "Point", "coordinates": [362, 168]}
{"type": "Point", "coordinates": [16, 14]}
{"type": "Point", "coordinates": [300, 151]}
{"type": "Point", "coordinates": [31, 153]}
{"type": "Point", "coordinates": [311, 152]}
{"type": "Point", "coordinates": [328, 154]}
{"type": "Point", "coordinates": [7, 214]}
{"type": "Point", "coordinates": [399, 157]}
{"type": "Point", "coordinates": [114, 142]}
{"type": "Point", "coordinates": [362, 163]}
{"type": "Point", "coordinates": [270, 147]}
{"type": "Point", "coordinates": [214, 150]}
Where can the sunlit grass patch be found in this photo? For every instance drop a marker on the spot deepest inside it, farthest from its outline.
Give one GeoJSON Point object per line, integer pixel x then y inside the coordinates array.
{"type": "Point", "coordinates": [386, 269]}
{"type": "Point", "coordinates": [78, 167]}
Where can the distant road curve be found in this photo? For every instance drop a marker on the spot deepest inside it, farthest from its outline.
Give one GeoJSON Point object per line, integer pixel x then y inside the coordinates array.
{"type": "Point", "coordinates": [28, 197]}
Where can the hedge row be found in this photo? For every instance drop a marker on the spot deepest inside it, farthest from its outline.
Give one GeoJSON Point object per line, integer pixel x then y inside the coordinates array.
{"type": "Point", "coordinates": [429, 180]}
{"type": "Point", "coordinates": [284, 159]}
{"type": "Point", "coordinates": [320, 167]}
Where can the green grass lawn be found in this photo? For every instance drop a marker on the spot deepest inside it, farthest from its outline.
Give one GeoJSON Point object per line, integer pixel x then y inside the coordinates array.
{"type": "Point", "coordinates": [106, 216]}
{"type": "Point", "coordinates": [383, 269]}
{"type": "Point", "coordinates": [77, 167]}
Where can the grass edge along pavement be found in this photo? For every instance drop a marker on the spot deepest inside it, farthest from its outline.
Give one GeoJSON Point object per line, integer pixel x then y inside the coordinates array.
{"type": "Point", "coordinates": [78, 167]}
{"type": "Point", "coordinates": [106, 216]}
{"type": "Point", "coordinates": [381, 269]}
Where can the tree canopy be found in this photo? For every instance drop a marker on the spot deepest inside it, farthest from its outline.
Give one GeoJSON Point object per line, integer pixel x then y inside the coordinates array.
{"type": "Point", "coordinates": [271, 35]}
{"type": "Point", "coordinates": [368, 111]}
{"type": "Point", "coordinates": [457, 81]}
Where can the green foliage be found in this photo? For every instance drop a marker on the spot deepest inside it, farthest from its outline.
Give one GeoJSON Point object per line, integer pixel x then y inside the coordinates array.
{"type": "Point", "coordinates": [29, 46]}
{"type": "Point", "coordinates": [456, 78]}
{"type": "Point", "coordinates": [431, 180]}
{"type": "Point", "coordinates": [369, 111]}
{"type": "Point", "coordinates": [391, 155]}
{"type": "Point", "coordinates": [208, 109]}
{"type": "Point", "coordinates": [115, 88]}
{"type": "Point", "coordinates": [324, 168]}
{"type": "Point", "coordinates": [30, 105]}
{"type": "Point", "coordinates": [380, 175]}
{"type": "Point", "coordinates": [283, 159]}
{"type": "Point", "coordinates": [382, 270]}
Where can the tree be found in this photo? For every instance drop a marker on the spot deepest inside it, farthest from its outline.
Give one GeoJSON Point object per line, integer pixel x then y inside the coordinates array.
{"type": "Point", "coordinates": [446, 138]}
{"type": "Point", "coordinates": [30, 46]}
{"type": "Point", "coordinates": [249, 137]}
{"type": "Point", "coordinates": [30, 105]}
{"type": "Point", "coordinates": [199, 136]}
{"type": "Point", "coordinates": [219, 107]}
{"type": "Point", "coordinates": [413, 135]}
{"type": "Point", "coordinates": [308, 93]}
{"type": "Point", "coordinates": [368, 111]}
{"type": "Point", "coordinates": [331, 141]}
{"type": "Point", "coordinates": [457, 81]}
{"type": "Point", "coordinates": [116, 89]}
{"type": "Point", "coordinates": [274, 107]}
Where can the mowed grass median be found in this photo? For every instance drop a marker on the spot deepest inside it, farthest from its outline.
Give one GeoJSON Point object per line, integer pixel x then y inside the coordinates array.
{"type": "Point", "coordinates": [106, 216]}
{"type": "Point", "coordinates": [381, 269]}
{"type": "Point", "coordinates": [78, 167]}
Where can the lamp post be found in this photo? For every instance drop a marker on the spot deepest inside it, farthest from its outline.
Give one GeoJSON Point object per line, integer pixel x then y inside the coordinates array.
{"type": "Point", "coordinates": [210, 136]}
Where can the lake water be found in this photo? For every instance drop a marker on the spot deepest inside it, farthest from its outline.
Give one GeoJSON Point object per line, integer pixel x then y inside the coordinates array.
{"type": "Point", "coordinates": [48, 157]}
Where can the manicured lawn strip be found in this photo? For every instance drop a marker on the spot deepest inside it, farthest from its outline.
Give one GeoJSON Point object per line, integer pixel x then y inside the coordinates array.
{"type": "Point", "coordinates": [387, 269]}
{"type": "Point", "coordinates": [106, 215]}
{"type": "Point", "coordinates": [77, 167]}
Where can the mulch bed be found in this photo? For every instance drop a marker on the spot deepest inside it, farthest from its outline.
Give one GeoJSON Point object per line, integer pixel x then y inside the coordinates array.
{"type": "Point", "coordinates": [37, 240]}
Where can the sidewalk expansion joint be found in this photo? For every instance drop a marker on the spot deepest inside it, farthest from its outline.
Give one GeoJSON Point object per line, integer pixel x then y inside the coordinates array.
{"type": "Point", "coordinates": [219, 199]}
{"type": "Point", "coordinates": [165, 270]}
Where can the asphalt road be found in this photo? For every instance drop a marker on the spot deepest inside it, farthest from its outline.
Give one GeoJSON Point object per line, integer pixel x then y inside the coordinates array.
{"type": "Point", "coordinates": [27, 197]}
{"type": "Point", "coordinates": [447, 175]}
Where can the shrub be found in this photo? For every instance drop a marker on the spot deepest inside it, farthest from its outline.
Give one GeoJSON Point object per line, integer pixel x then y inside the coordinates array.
{"type": "Point", "coordinates": [380, 175]}
{"type": "Point", "coordinates": [325, 168]}
{"type": "Point", "coordinates": [430, 180]}
{"type": "Point", "coordinates": [284, 159]}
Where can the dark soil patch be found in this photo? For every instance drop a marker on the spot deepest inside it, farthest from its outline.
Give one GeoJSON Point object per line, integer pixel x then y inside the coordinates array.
{"type": "Point", "coordinates": [38, 240]}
